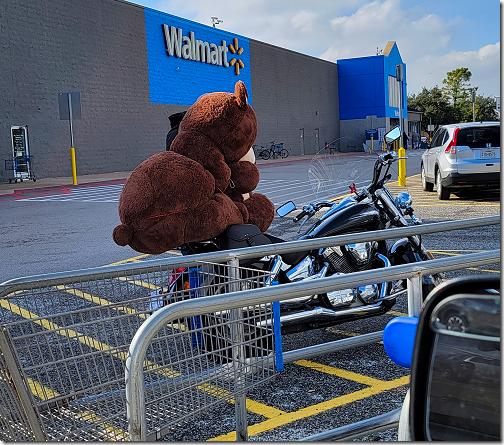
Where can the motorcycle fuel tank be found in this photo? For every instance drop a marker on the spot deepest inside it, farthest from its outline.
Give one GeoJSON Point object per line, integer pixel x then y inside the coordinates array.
{"type": "Point", "coordinates": [351, 218]}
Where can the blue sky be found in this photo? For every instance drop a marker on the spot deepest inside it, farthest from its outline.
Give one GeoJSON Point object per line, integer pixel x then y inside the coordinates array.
{"type": "Point", "coordinates": [433, 36]}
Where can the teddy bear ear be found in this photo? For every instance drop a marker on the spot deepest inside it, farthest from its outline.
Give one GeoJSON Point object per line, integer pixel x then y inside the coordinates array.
{"type": "Point", "coordinates": [123, 234]}
{"type": "Point", "coordinates": [241, 94]}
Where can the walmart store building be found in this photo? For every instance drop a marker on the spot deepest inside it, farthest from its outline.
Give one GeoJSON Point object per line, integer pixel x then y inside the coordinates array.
{"type": "Point", "coordinates": [134, 66]}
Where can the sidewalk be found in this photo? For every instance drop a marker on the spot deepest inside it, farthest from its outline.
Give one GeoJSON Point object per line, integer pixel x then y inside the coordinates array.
{"type": "Point", "coordinates": [65, 182]}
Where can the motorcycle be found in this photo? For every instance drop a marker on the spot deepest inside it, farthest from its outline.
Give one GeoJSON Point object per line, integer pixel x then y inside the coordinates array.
{"type": "Point", "coordinates": [371, 208]}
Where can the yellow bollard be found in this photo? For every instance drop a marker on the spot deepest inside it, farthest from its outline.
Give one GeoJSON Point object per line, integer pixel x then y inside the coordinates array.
{"type": "Point", "coordinates": [402, 167]}
{"type": "Point", "coordinates": [74, 167]}
{"type": "Point", "coordinates": [371, 151]}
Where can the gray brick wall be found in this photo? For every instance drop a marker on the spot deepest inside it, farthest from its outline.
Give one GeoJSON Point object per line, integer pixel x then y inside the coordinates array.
{"type": "Point", "coordinates": [98, 47]}
{"type": "Point", "coordinates": [290, 92]}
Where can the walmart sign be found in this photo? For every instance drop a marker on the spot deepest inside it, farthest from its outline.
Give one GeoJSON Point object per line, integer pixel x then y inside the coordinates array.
{"type": "Point", "coordinates": [175, 44]}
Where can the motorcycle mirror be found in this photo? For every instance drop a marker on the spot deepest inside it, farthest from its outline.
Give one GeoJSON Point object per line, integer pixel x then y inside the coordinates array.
{"type": "Point", "coordinates": [285, 209]}
{"type": "Point", "coordinates": [392, 135]}
{"type": "Point", "coordinates": [455, 369]}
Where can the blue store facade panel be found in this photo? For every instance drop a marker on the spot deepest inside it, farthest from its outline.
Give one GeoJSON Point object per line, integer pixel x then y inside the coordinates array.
{"type": "Point", "coordinates": [370, 96]}
{"type": "Point", "coordinates": [187, 59]}
{"type": "Point", "coordinates": [364, 85]}
{"type": "Point", "coordinates": [361, 87]}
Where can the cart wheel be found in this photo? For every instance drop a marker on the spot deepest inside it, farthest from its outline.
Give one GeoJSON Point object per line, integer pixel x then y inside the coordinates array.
{"type": "Point", "coordinates": [15, 181]}
{"type": "Point", "coordinates": [21, 179]}
{"type": "Point", "coordinates": [10, 181]}
{"type": "Point", "coordinates": [34, 180]}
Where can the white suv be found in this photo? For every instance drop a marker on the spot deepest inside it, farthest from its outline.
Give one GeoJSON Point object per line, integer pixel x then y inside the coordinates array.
{"type": "Point", "coordinates": [462, 156]}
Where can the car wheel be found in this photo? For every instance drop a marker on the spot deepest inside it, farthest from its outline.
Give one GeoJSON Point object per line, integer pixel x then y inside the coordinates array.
{"type": "Point", "coordinates": [455, 322]}
{"type": "Point", "coordinates": [442, 192]}
{"type": "Point", "coordinates": [426, 186]}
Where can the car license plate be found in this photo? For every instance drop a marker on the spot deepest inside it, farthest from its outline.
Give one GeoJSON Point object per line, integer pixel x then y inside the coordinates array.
{"type": "Point", "coordinates": [488, 154]}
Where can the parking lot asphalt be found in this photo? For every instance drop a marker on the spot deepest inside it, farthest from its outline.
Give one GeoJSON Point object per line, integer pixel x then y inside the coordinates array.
{"type": "Point", "coordinates": [66, 182]}
{"type": "Point", "coordinates": [339, 388]}
{"type": "Point", "coordinates": [344, 387]}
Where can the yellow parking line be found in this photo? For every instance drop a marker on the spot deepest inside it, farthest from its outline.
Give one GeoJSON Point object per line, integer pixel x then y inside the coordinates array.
{"type": "Point", "coordinates": [397, 314]}
{"type": "Point", "coordinates": [444, 252]}
{"type": "Point", "coordinates": [136, 259]}
{"type": "Point", "coordinates": [97, 300]}
{"type": "Point", "coordinates": [455, 250]}
{"type": "Point", "coordinates": [129, 260]}
{"type": "Point", "coordinates": [340, 332]}
{"type": "Point", "coordinates": [267, 411]}
{"type": "Point", "coordinates": [483, 270]}
{"type": "Point", "coordinates": [313, 410]}
{"type": "Point", "coordinates": [254, 407]}
{"type": "Point", "coordinates": [44, 393]}
{"type": "Point", "coordinates": [41, 391]}
{"type": "Point", "coordinates": [139, 283]}
{"type": "Point", "coordinates": [111, 432]}
{"type": "Point", "coordinates": [472, 204]}
{"type": "Point", "coordinates": [348, 375]}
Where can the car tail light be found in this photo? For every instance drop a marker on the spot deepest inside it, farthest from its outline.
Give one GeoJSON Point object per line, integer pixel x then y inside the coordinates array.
{"type": "Point", "coordinates": [452, 146]}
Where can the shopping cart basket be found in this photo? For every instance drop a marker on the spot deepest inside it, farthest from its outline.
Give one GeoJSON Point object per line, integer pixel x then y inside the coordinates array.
{"type": "Point", "coordinates": [66, 342]}
{"type": "Point", "coordinates": [21, 167]}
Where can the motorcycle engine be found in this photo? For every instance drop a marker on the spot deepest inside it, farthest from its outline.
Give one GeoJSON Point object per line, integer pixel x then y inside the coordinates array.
{"type": "Point", "coordinates": [352, 257]}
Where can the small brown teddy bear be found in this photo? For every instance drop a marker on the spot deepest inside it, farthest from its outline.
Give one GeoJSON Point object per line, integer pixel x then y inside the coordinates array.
{"type": "Point", "coordinates": [202, 185]}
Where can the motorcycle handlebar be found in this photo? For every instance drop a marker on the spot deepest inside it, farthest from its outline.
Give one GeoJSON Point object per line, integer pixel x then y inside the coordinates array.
{"type": "Point", "coordinates": [300, 216]}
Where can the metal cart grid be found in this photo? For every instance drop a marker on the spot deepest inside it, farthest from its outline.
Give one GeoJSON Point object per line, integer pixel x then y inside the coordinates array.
{"type": "Point", "coordinates": [67, 343]}
{"type": "Point", "coordinates": [22, 168]}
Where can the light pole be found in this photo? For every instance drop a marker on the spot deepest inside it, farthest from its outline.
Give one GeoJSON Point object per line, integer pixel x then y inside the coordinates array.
{"type": "Point", "coordinates": [474, 103]}
{"type": "Point", "coordinates": [401, 152]}
{"type": "Point", "coordinates": [399, 77]}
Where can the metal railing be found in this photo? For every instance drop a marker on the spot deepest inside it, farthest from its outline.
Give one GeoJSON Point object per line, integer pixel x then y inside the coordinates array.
{"type": "Point", "coordinates": [412, 272]}
{"type": "Point", "coordinates": [247, 252]}
{"type": "Point", "coordinates": [154, 273]}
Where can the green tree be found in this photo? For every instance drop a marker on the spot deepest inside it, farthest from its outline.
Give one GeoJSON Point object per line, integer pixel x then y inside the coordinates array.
{"type": "Point", "coordinates": [484, 110]}
{"type": "Point", "coordinates": [453, 102]}
{"type": "Point", "coordinates": [435, 107]}
{"type": "Point", "coordinates": [457, 86]}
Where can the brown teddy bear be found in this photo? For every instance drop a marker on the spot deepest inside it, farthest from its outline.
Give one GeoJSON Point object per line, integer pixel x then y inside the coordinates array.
{"type": "Point", "coordinates": [202, 185]}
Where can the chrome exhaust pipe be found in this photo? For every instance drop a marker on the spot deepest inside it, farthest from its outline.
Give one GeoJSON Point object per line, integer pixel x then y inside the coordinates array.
{"type": "Point", "coordinates": [323, 314]}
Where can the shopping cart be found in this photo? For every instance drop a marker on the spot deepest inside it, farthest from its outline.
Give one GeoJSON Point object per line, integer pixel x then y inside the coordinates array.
{"type": "Point", "coordinates": [64, 343]}
{"type": "Point", "coordinates": [22, 168]}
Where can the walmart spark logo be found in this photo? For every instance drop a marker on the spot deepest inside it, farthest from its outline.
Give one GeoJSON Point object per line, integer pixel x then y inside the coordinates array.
{"type": "Point", "coordinates": [237, 63]}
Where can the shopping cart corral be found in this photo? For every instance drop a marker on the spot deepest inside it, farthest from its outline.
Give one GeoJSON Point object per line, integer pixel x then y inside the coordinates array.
{"type": "Point", "coordinates": [84, 357]}
{"type": "Point", "coordinates": [21, 168]}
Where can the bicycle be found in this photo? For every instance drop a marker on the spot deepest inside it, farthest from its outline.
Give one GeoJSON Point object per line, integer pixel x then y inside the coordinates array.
{"type": "Point", "coordinates": [258, 150]}
{"type": "Point", "coordinates": [274, 151]}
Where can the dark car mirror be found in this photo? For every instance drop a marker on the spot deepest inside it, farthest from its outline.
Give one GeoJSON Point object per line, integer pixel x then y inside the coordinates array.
{"type": "Point", "coordinates": [286, 208]}
{"type": "Point", "coordinates": [455, 369]}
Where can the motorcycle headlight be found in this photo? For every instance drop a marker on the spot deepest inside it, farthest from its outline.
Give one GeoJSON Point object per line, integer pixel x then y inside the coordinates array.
{"type": "Point", "coordinates": [403, 200]}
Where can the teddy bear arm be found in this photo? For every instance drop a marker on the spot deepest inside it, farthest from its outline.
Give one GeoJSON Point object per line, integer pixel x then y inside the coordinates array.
{"type": "Point", "coordinates": [261, 211]}
{"type": "Point", "coordinates": [244, 176]}
{"type": "Point", "coordinates": [212, 218]}
{"type": "Point", "coordinates": [202, 150]}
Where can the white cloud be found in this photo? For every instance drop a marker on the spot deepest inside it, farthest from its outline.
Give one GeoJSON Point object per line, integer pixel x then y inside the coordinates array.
{"type": "Point", "coordinates": [484, 65]}
{"type": "Point", "coordinates": [320, 29]}
{"type": "Point", "coordinates": [304, 21]}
